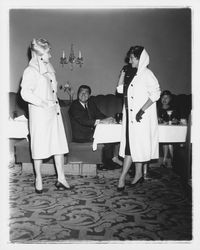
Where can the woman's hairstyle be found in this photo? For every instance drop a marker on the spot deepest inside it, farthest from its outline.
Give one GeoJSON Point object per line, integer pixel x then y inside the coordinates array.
{"type": "Point", "coordinates": [39, 46]}
{"type": "Point", "coordinates": [166, 92]}
{"type": "Point", "coordinates": [84, 87]}
{"type": "Point", "coordinates": [136, 51]}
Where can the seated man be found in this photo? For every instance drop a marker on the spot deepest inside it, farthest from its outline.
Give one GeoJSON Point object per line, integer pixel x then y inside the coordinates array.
{"type": "Point", "coordinates": [85, 115]}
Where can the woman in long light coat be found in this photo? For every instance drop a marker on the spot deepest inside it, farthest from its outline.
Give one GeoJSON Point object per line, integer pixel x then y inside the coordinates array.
{"type": "Point", "coordinates": [139, 143]}
{"type": "Point", "coordinates": [39, 88]}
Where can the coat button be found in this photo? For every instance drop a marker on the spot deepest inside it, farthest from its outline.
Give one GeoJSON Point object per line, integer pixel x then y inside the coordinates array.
{"type": "Point", "coordinates": [58, 113]}
{"type": "Point", "coordinates": [131, 85]}
{"type": "Point", "coordinates": [132, 97]}
{"type": "Point", "coordinates": [53, 91]}
{"type": "Point", "coordinates": [131, 121]}
{"type": "Point", "coordinates": [51, 81]}
{"type": "Point", "coordinates": [56, 102]}
{"type": "Point", "coordinates": [131, 110]}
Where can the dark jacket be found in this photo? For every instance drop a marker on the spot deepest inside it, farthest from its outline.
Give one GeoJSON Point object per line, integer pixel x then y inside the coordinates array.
{"type": "Point", "coordinates": [82, 121]}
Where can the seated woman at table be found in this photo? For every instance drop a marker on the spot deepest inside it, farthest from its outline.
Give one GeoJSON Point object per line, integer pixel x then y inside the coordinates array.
{"type": "Point", "coordinates": [167, 114]}
{"type": "Point", "coordinates": [167, 110]}
{"type": "Point", "coordinates": [84, 116]}
{"type": "Point", "coordinates": [140, 88]}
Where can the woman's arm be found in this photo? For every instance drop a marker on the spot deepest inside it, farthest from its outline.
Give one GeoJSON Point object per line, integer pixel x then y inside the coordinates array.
{"type": "Point", "coordinates": [153, 89]}
{"type": "Point", "coordinates": [147, 104]}
{"type": "Point", "coordinates": [121, 78]}
{"type": "Point", "coordinates": [121, 82]}
{"type": "Point", "coordinates": [27, 89]}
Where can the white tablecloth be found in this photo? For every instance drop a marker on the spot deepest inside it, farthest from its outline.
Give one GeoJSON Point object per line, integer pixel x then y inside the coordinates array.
{"type": "Point", "coordinates": [17, 128]}
{"type": "Point", "coordinates": [108, 133]}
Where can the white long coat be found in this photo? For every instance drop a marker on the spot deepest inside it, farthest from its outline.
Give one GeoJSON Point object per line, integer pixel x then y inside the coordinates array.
{"type": "Point", "coordinates": [143, 135]}
{"type": "Point", "coordinates": [45, 124]}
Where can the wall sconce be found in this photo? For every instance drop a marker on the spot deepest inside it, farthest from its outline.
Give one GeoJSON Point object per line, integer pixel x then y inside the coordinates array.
{"type": "Point", "coordinates": [72, 60]}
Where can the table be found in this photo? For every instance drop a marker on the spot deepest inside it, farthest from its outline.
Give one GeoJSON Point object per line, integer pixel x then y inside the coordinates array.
{"type": "Point", "coordinates": [17, 128]}
{"type": "Point", "coordinates": [109, 133]}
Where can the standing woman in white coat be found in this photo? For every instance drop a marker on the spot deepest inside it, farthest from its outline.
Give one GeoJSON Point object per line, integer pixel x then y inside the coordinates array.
{"type": "Point", "coordinates": [139, 143]}
{"type": "Point", "coordinates": [39, 88]}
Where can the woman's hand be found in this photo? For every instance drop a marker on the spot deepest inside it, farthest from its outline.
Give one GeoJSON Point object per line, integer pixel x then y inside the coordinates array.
{"type": "Point", "coordinates": [139, 115]}
{"type": "Point", "coordinates": [108, 120]}
{"type": "Point", "coordinates": [160, 120]}
{"type": "Point", "coordinates": [44, 104]}
{"type": "Point", "coordinates": [47, 104]}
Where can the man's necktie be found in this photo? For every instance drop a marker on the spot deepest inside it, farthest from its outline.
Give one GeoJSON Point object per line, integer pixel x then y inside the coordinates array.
{"type": "Point", "coordinates": [86, 108]}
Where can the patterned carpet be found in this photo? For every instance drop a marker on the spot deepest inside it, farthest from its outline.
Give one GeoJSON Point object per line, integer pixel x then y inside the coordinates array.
{"type": "Point", "coordinates": [156, 210]}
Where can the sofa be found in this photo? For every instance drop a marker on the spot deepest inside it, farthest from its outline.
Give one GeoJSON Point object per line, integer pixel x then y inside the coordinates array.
{"type": "Point", "coordinates": [78, 152]}
{"type": "Point", "coordinates": [109, 104]}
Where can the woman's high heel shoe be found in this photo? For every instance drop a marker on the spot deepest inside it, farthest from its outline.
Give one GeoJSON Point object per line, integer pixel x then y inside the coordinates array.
{"type": "Point", "coordinates": [38, 191]}
{"type": "Point", "coordinates": [62, 187]}
{"type": "Point", "coordinates": [120, 189]}
{"type": "Point", "coordinates": [139, 181]}
{"type": "Point", "coordinates": [164, 165]}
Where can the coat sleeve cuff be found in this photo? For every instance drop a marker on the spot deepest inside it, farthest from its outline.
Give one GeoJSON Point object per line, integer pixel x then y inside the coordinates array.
{"type": "Point", "coordinates": [120, 88]}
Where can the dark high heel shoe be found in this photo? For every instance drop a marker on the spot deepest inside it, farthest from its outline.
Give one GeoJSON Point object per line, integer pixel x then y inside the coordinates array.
{"type": "Point", "coordinates": [38, 191]}
{"type": "Point", "coordinates": [164, 165]}
{"type": "Point", "coordinates": [120, 189]}
{"type": "Point", "coordinates": [62, 187]}
{"type": "Point", "coordinates": [139, 181]}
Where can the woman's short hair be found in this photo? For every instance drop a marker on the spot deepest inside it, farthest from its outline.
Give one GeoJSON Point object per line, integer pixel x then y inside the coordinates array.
{"type": "Point", "coordinates": [39, 46]}
{"type": "Point", "coordinates": [136, 51]}
{"type": "Point", "coordinates": [84, 87]}
{"type": "Point", "coordinates": [166, 92]}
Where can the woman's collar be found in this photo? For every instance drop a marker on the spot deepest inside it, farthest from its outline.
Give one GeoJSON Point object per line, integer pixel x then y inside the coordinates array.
{"type": "Point", "coordinates": [39, 65]}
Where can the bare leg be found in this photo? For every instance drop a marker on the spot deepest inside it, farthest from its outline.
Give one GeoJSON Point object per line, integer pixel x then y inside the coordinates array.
{"type": "Point", "coordinates": [126, 166]}
{"type": "Point", "coordinates": [59, 162]}
{"type": "Point", "coordinates": [145, 167]}
{"type": "Point", "coordinates": [165, 151]}
{"type": "Point", "coordinates": [116, 153]}
{"type": "Point", "coordinates": [171, 150]}
{"type": "Point", "coordinates": [38, 176]}
{"type": "Point", "coordinates": [138, 172]}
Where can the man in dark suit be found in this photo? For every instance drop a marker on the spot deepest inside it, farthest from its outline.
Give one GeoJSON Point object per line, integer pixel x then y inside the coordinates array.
{"type": "Point", "coordinates": [84, 116]}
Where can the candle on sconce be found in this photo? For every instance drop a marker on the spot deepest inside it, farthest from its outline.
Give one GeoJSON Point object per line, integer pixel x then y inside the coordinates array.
{"type": "Point", "coordinates": [63, 55]}
{"type": "Point", "coordinates": [79, 54]}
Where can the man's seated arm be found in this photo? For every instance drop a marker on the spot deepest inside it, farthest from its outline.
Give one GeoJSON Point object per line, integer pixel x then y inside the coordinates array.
{"type": "Point", "coordinates": [107, 120]}
{"type": "Point", "coordinates": [99, 116]}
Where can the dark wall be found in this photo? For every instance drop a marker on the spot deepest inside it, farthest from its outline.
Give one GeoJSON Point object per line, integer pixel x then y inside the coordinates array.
{"type": "Point", "coordinates": [104, 36]}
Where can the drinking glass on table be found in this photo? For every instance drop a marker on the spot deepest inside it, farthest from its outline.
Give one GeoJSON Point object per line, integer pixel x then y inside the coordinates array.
{"type": "Point", "coordinates": [169, 112]}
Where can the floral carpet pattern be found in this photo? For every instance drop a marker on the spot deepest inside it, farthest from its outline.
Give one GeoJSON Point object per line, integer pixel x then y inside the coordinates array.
{"type": "Point", "coordinates": [156, 210]}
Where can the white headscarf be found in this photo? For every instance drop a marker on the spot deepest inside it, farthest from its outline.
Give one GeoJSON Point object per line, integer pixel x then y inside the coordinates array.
{"type": "Point", "coordinates": [38, 48]}
{"type": "Point", "coordinates": [143, 61]}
